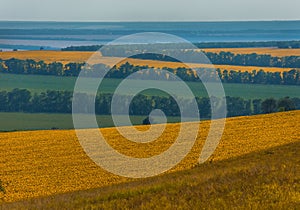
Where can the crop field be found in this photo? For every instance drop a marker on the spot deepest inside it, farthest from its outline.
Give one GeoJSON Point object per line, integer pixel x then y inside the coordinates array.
{"type": "Point", "coordinates": [276, 52]}
{"type": "Point", "coordinates": [79, 57]}
{"type": "Point", "coordinates": [161, 64]}
{"type": "Point", "coordinates": [48, 56]}
{"type": "Point", "coordinates": [39, 83]}
{"type": "Point", "coordinates": [266, 179]}
{"type": "Point", "coordinates": [48, 163]}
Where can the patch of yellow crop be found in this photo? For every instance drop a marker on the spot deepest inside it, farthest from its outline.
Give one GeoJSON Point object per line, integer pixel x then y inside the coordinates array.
{"type": "Point", "coordinates": [161, 64]}
{"type": "Point", "coordinates": [41, 163]}
{"type": "Point", "coordinates": [48, 56]}
{"type": "Point", "coordinates": [268, 51]}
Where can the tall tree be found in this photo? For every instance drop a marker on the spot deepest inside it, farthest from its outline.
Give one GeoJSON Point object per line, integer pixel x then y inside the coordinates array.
{"type": "Point", "coordinates": [269, 105]}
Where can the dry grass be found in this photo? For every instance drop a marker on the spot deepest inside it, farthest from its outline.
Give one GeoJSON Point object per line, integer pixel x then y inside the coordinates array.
{"type": "Point", "coordinates": [269, 51]}
{"type": "Point", "coordinates": [43, 163]}
{"type": "Point", "coordinates": [67, 57]}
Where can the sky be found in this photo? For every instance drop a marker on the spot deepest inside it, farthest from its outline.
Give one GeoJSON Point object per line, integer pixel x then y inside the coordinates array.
{"type": "Point", "coordinates": [146, 10]}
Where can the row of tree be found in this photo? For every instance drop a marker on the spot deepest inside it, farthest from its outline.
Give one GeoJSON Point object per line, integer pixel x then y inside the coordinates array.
{"type": "Point", "coordinates": [291, 77]}
{"type": "Point", "coordinates": [273, 44]}
{"type": "Point", "coordinates": [221, 58]}
{"type": "Point", "coordinates": [194, 56]}
{"type": "Point", "coordinates": [16, 66]}
{"type": "Point", "coordinates": [22, 100]}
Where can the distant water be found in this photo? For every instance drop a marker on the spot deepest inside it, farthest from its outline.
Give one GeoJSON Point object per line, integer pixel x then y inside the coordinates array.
{"type": "Point", "coordinates": [54, 35]}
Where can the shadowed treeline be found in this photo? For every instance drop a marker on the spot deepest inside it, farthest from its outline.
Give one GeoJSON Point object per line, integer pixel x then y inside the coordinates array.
{"type": "Point", "coordinates": [22, 100]}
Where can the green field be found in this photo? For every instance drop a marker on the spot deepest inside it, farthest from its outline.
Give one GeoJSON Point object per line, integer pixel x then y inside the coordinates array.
{"type": "Point", "coordinates": [33, 121]}
{"type": "Point", "coordinates": [38, 83]}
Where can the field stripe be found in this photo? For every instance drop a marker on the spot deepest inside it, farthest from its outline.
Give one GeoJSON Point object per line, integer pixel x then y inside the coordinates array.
{"type": "Point", "coordinates": [74, 56]}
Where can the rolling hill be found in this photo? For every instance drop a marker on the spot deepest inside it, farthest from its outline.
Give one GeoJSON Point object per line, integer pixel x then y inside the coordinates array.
{"type": "Point", "coordinates": [256, 162]}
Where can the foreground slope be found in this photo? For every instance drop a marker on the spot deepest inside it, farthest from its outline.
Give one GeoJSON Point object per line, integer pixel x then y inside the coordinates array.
{"type": "Point", "coordinates": [42, 163]}
{"type": "Point", "coordinates": [267, 179]}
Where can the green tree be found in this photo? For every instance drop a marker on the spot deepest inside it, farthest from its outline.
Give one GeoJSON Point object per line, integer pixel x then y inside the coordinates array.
{"type": "Point", "coordinates": [257, 106]}
{"type": "Point", "coordinates": [286, 104]}
{"type": "Point", "coordinates": [269, 106]}
{"type": "Point", "coordinates": [3, 101]}
{"type": "Point", "coordinates": [19, 100]}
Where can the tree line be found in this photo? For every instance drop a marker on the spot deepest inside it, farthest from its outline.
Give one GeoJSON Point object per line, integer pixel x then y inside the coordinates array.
{"type": "Point", "coordinates": [192, 56]}
{"type": "Point", "coordinates": [221, 58]}
{"type": "Point", "coordinates": [29, 66]}
{"type": "Point", "coordinates": [16, 66]}
{"type": "Point", "coordinates": [291, 77]}
{"type": "Point", "coordinates": [22, 100]}
{"type": "Point", "coordinates": [273, 44]}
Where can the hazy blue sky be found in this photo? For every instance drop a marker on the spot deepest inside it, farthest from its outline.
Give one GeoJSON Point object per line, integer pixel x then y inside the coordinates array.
{"type": "Point", "coordinates": [146, 10]}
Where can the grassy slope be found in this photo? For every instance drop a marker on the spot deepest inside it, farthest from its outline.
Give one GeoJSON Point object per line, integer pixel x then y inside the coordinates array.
{"type": "Point", "coordinates": [44, 163]}
{"type": "Point", "coordinates": [38, 83]}
{"type": "Point", "coordinates": [268, 179]}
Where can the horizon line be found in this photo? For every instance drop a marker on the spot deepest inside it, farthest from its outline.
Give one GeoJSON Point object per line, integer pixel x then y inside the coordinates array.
{"type": "Point", "coordinates": [153, 21]}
